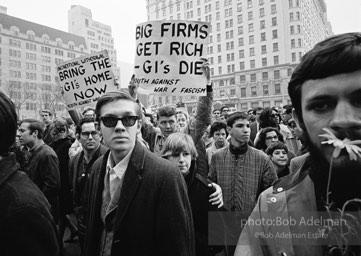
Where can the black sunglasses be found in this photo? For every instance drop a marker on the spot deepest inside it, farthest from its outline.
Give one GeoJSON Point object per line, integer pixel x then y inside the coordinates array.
{"type": "Point", "coordinates": [111, 121]}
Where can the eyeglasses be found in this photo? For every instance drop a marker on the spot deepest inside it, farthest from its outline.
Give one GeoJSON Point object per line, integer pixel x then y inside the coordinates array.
{"type": "Point", "coordinates": [272, 138]}
{"type": "Point", "coordinates": [274, 115]}
{"type": "Point", "coordinates": [86, 135]}
{"type": "Point", "coordinates": [111, 121]}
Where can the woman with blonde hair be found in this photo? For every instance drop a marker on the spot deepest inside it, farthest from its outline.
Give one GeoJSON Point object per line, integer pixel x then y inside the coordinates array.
{"type": "Point", "coordinates": [179, 148]}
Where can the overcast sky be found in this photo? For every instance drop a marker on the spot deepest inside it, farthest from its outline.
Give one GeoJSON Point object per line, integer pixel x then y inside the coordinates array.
{"type": "Point", "coordinates": [123, 15]}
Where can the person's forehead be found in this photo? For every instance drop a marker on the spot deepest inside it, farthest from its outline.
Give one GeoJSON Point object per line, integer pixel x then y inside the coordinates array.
{"type": "Point", "coordinates": [167, 118]}
{"type": "Point", "coordinates": [271, 133]}
{"type": "Point", "coordinates": [220, 131]}
{"type": "Point", "coordinates": [258, 112]}
{"type": "Point", "coordinates": [45, 114]}
{"type": "Point", "coordinates": [338, 86]}
{"type": "Point", "coordinates": [241, 121]}
{"type": "Point", "coordinates": [88, 127]}
{"type": "Point", "coordinates": [119, 108]}
{"type": "Point", "coordinates": [280, 150]}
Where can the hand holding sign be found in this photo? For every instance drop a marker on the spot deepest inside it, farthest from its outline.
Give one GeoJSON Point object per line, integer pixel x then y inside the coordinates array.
{"type": "Point", "coordinates": [206, 70]}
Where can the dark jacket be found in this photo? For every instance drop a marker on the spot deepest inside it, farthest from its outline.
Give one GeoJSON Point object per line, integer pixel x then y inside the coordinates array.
{"type": "Point", "coordinates": [44, 172]}
{"type": "Point", "coordinates": [153, 216]}
{"type": "Point", "coordinates": [61, 148]}
{"type": "Point", "coordinates": [27, 227]}
{"type": "Point", "coordinates": [198, 194]}
{"type": "Point", "coordinates": [79, 182]}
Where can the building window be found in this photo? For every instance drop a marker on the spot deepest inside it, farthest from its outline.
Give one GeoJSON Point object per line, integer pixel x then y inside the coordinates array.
{"type": "Point", "coordinates": [219, 70]}
{"type": "Point", "coordinates": [243, 93]}
{"type": "Point", "coordinates": [233, 92]}
{"type": "Point", "coordinates": [249, 3]}
{"type": "Point", "coordinates": [250, 27]}
{"type": "Point", "coordinates": [240, 41]}
{"type": "Point", "coordinates": [242, 79]}
{"type": "Point", "coordinates": [219, 59]}
{"type": "Point", "coordinates": [273, 9]}
{"type": "Point", "coordinates": [253, 91]}
{"type": "Point", "coordinates": [277, 88]}
{"type": "Point", "coordinates": [241, 54]}
{"type": "Point", "coordinates": [291, 16]}
{"type": "Point", "coordinates": [276, 60]}
{"type": "Point", "coordinates": [263, 49]}
{"type": "Point", "coordinates": [289, 72]}
{"type": "Point", "coordinates": [251, 51]}
{"type": "Point", "coordinates": [274, 34]}
{"type": "Point", "coordinates": [262, 24]}
{"type": "Point", "coordinates": [239, 7]}
{"type": "Point", "coordinates": [264, 76]}
{"type": "Point", "coordinates": [292, 43]}
{"type": "Point", "coordinates": [253, 77]}
{"type": "Point", "coordinates": [276, 74]}
{"type": "Point", "coordinates": [264, 62]}
{"type": "Point", "coordinates": [250, 15]}
{"type": "Point", "coordinates": [292, 30]}
{"type": "Point", "coordinates": [219, 48]}
{"type": "Point", "coordinates": [252, 63]}
{"type": "Point", "coordinates": [240, 30]}
{"type": "Point", "coordinates": [290, 3]}
{"type": "Point", "coordinates": [239, 18]}
{"type": "Point", "coordinates": [293, 57]}
{"type": "Point", "coordinates": [265, 89]}
{"type": "Point", "coordinates": [261, 12]}
{"type": "Point", "coordinates": [251, 39]}
{"type": "Point", "coordinates": [241, 65]}
{"type": "Point", "coordinates": [274, 21]}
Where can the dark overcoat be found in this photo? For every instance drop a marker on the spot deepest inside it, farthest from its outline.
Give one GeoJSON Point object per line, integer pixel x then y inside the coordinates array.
{"type": "Point", "coordinates": [153, 216]}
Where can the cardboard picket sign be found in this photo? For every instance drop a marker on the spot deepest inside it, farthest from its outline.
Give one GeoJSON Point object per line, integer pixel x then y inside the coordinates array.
{"type": "Point", "coordinates": [168, 57]}
{"type": "Point", "coordinates": [83, 80]}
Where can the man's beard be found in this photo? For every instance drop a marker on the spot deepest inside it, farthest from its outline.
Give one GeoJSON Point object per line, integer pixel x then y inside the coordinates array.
{"type": "Point", "coordinates": [345, 175]}
{"type": "Point", "coordinates": [346, 165]}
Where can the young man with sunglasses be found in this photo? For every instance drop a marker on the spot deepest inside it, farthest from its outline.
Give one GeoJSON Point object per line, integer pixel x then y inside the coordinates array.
{"type": "Point", "coordinates": [138, 203]}
{"type": "Point", "coordinates": [80, 168]}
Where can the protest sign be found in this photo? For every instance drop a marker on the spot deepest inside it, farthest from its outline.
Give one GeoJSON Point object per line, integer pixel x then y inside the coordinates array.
{"type": "Point", "coordinates": [85, 79]}
{"type": "Point", "coordinates": [168, 57]}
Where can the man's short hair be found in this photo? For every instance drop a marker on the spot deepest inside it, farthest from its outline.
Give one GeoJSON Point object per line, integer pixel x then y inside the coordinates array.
{"type": "Point", "coordinates": [35, 125]}
{"type": "Point", "coordinates": [257, 109]}
{"type": "Point", "coordinates": [8, 123]}
{"type": "Point", "coordinates": [82, 121]}
{"type": "Point", "coordinates": [235, 116]}
{"type": "Point", "coordinates": [222, 108]}
{"type": "Point", "coordinates": [217, 126]}
{"type": "Point", "coordinates": [60, 125]}
{"type": "Point", "coordinates": [216, 110]}
{"type": "Point", "coordinates": [115, 96]}
{"type": "Point", "coordinates": [167, 111]}
{"type": "Point", "coordinates": [336, 55]}
{"type": "Point", "coordinates": [88, 109]}
{"type": "Point", "coordinates": [274, 146]}
{"type": "Point", "coordinates": [47, 111]}
{"type": "Point", "coordinates": [261, 141]}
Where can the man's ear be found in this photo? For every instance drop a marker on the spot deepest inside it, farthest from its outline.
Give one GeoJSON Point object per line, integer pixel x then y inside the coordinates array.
{"type": "Point", "coordinates": [35, 132]}
{"type": "Point", "coordinates": [139, 125]}
{"type": "Point", "coordinates": [229, 130]}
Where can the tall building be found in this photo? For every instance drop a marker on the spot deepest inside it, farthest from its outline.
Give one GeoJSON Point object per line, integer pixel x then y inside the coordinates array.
{"type": "Point", "coordinates": [254, 45]}
{"type": "Point", "coordinates": [98, 35]}
{"type": "Point", "coordinates": [29, 54]}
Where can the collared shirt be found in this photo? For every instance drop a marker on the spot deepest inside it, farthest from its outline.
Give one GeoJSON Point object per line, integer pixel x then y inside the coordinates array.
{"type": "Point", "coordinates": [116, 171]}
{"type": "Point", "coordinates": [35, 147]}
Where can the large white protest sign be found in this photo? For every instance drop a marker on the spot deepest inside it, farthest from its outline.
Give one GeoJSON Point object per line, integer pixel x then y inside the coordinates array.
{"type": "Point", "coordinates": [85, 79]}
{"type": "Point", "coordinates": [168, 57]}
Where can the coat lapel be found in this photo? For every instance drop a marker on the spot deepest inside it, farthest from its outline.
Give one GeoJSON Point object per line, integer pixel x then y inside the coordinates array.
{"type": "Point", "coordinates": [131, 183]}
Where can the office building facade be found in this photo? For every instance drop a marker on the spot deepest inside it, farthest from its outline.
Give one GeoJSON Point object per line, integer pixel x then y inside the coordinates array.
{"type": "Point", "coordinates": [98, 35]}
{"type": "Point", "coordinates": [29, 55]}
{"type": "Point", "coordinates": [254, 45]}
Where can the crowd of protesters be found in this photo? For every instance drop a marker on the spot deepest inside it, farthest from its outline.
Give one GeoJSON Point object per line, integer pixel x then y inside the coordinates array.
{"type": "Point", "coordinates": [178, 183]}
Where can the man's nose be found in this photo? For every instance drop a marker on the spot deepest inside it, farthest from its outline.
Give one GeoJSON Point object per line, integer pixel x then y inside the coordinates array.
{"type": "Point", "coordinates": [119, 126]}
{"type": "Point", "coordinates": [345, 116]}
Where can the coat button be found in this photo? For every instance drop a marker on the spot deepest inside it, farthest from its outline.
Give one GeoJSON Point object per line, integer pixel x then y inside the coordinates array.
{"type": "Point", "coordinates": [273, 199]}
{"type": "Point", "coordinates": [279, 189]}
